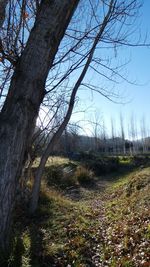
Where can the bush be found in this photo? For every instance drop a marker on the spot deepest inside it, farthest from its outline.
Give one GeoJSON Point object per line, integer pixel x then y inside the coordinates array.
{"type": "Point", "coordinates": [138, 160]}
{"type": "Point", "coordinates": [84, 175]}
{"type": "Point", "coordinates": [60, 176]}
{"type": "Point", "coordinates": [103, 165]}
{"type": "Point", "coordinates": [53, 175]}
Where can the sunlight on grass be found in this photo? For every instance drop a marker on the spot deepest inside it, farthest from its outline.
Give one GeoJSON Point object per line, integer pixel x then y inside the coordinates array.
{"type": "Point", "coordinates": [52, 161]}
{"type": "Point", "coordinates": [127, 213]}
{"type": "Point", "coordinates": [109, 227]}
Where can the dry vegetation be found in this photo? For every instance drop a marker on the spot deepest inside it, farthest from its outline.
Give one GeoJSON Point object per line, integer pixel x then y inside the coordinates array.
{"type": "Point", "coordinates": [79, 224]}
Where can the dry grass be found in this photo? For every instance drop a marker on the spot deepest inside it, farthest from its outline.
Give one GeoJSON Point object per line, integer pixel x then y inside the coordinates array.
{"type": "Point", "coordinates": [52, 161]}
{"type": "Point", "coordinates": [109, 228]}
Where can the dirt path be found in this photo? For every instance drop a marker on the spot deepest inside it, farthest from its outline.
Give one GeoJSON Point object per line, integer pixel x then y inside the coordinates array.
{"type": "Point", "coordinates": [122, 234]}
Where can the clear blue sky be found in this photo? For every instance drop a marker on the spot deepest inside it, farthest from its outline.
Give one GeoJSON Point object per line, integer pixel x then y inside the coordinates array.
{"type": "Point", "coordinates": [137, 97]}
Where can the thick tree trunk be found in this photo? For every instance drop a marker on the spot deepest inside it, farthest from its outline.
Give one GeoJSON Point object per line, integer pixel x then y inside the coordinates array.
{"type": "Point", "coordinates": [26, 92]}
{"type": "Point", "coordinates": [3, 4]}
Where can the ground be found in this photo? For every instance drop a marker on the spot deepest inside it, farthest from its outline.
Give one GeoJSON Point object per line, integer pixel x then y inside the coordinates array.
{"type": "Point", "coordinates": [103, 222]}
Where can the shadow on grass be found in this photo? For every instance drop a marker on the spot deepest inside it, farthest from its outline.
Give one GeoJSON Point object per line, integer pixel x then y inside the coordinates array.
{"type": "Point", "coordinates": [27, 249]}
{"type": "Point", "coordinates": [119, 173]}
{"type": "Point", "coordinates": [30, 232]}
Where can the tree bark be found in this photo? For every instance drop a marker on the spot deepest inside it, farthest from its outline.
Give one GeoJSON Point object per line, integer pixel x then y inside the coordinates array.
{"type": "Point", "coordinates": [3, 4]}
{"type": "Point", "coordinates": [26, 92]}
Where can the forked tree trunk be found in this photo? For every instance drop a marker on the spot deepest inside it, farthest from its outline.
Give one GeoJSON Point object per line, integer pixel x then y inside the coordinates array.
{"type": "Point", "coordinates": [26, 92]}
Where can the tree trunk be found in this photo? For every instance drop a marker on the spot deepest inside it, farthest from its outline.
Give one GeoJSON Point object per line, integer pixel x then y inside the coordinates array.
{"type": "Point", "coordinates": [52, 143]}
{"type": "Point", "coordinates": [26, 92]}
{"type": "Point", "coordinates": [57, 135]}
{"type": "Point", "coordinates": [3, 4]}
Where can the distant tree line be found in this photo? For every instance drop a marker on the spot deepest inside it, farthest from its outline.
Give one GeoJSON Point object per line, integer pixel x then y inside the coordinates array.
{"type": "Point", "coordinates": [130, 141]}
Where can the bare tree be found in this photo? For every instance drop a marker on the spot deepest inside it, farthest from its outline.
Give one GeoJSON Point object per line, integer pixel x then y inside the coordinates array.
{"type": "Point", "coordinates": [30, 64]}
{"type": "Point", "coordinates": [133, 133]}
{"type": "Point", "coordinates": [104, 137]}
{"type": "Point", "coordinates": [108, 17]}
{"type": "Point", "coordinates": [26, 92]}
{"type": "Point", "coordinates": [122, 134]}
{"type": "Point", "coordinates": [114, 12]}
{"type": "Point", "coordinates": [143, 134]}
{"type": "Point", "coordinates": [96, 129]}
{"type": "Point", "coordinates": [113, 135]}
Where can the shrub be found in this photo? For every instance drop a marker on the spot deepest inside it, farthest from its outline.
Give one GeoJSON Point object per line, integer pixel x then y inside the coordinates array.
{"type": "Point", "coordinates": [60, 176]}
{"type": "Point", "coordinates": [103, 165]}
{"type": "Point", "coordinates": [53, 175]}
{"type": "Point", "coordinates": [84, 175]}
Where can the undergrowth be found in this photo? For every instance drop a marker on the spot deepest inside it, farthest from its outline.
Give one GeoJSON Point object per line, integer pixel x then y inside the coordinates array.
{"type": "Point", "coordinates": [127, 220]}
{"type": "Point", "coordinates": [60, 233]}
{"type": "Point", "coordinates": [105, 228]}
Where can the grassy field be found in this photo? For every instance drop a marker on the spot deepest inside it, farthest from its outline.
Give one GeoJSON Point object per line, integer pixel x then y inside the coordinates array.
{"type": "Point", "coordinates": [86, 220]}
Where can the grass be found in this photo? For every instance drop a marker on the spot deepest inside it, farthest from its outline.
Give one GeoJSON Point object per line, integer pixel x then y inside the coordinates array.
{"type": "Point", "coordinates": [127, 220]}
{"type": "Point", "coordinates": [60, 233]}
{"type": "Point", "coordinates": [108, 227]}
{"type": "Point", "coordinates": [52, 161]}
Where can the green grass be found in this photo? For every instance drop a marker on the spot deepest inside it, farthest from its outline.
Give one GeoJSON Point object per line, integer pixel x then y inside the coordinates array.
{"type": "Point", "coordinates": [60, 233]}
{"type": "Point", "coordinates": [52, 161]}
{"type": "Point", "coordinates": [108, 227]}
{"type": "Point", "coordinates": [127, 218]}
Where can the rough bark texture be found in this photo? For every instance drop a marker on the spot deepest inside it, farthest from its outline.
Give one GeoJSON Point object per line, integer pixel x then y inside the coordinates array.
{"type": "Point", "coordinates": [26, 93]}
{"type": "Point", "coordinates": [57, 135]}
{"type": "Point", "coordinates": [3, 4]}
